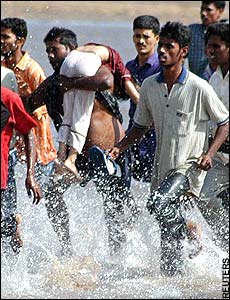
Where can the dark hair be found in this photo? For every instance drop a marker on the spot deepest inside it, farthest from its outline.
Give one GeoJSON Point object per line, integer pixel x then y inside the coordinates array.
{"type": "Point", "coordinates": [178, 32]}
{"type": "Point", "coordinates": [218, 29]}
{"type": "Point", "coordinates": [67, 37]}
{"type": "Point", "coordinates": [17, 26]}
{"type": "Point", "coordinates": [147, 22]}
{"type": "Point", "coordinates": [218, 4]}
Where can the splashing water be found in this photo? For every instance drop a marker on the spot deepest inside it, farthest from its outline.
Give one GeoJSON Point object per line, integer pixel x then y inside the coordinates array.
{"type": "Point", "coordinates": [40, 272]}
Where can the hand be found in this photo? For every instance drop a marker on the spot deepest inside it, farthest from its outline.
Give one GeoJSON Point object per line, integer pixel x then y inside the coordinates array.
{"type": "Point", "coordinates": [65, 83]}
{"type": "Point", "coordinates": [31, 184]}
{"type": "Point", "coordinates": [113, 152]}
{"type": "Point", "coordinates": [204, 162]}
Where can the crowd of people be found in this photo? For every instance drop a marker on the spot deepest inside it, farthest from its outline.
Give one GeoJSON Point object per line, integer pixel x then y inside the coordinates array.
{"type": "Point", "coordinates": [177, 138]}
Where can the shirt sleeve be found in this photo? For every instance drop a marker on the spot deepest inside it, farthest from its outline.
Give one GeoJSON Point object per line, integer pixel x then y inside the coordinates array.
{"type": "Point", "coordinates": [23, 122]}
{"type": "Point", "coordinates": [143, 117]}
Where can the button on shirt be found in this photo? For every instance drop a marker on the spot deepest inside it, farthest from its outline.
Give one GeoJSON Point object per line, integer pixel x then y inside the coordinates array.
{"type": "Point", "coordinates": [181, 119]}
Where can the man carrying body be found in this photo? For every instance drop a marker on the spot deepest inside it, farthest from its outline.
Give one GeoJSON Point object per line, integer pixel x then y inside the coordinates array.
{"type": "Point", "coordinates": [104, 115]}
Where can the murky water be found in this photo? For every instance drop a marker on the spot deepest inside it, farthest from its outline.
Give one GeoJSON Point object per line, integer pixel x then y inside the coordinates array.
{"type": "Point", "coordinates": [40, 274]}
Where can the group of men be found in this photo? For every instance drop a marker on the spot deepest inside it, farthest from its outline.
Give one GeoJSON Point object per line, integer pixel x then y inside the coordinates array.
{"type": "Point", "coordinates": [173, 114]}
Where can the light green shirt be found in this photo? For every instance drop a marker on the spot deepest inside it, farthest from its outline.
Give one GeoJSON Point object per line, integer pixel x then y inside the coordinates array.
{"type": "Point", "coordinates": [181, 122]}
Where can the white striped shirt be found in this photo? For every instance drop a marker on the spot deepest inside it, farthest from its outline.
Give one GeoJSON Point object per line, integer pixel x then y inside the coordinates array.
{"type": "Point", "coordinates": [181, 122]}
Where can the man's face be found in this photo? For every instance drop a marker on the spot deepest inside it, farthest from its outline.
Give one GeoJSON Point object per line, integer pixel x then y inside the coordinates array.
{"type": "Point", "coordinates": [57, 53]}
{"type": "Point", "coordinates": [170, 53]}
{"type": "Point", "coordinates": [217, 50]}
{"type": "Point", "coordinates": [145, 41]}
{"type": "Point", "coordinates": [210, 14]}
{"type": "Point", "coordinates": [9, 42]}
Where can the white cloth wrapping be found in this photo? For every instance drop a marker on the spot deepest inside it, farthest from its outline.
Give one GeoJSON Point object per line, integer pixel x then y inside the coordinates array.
{"type": "Point", "coordinates": [77, 104]}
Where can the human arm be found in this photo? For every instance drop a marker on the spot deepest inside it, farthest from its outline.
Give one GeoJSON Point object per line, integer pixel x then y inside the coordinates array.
{"type": "Point", "coordinates": [132, 91]}
{"type": "Point", "coordinates": [204, 162]}
{"type": "Point", "coordinates": [102, 80]}
{"type": "Point", "coordinates": [30, 182]}
{"type": "Point", "coordinates": [39, 96]}
{"type": "Point", "coordinates": [132, 136]}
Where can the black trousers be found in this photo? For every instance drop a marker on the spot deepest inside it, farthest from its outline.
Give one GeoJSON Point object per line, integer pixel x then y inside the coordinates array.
{"type": "Point", "coordinates": [165, 204]}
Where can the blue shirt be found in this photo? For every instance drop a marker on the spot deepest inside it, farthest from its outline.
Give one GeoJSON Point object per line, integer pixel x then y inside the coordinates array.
{"type": "Point", "coordinates": [143, 153]}
{"type": "Point", "coordinates": [197, 59]}
{"type": "Point", "coordinates": [151, 67]}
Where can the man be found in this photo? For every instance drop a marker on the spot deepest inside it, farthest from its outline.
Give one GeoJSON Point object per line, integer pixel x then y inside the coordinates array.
{"type": "Point", "coordinates": [29, 76]}
{"type": "Point", "coordinates": [211, 12]}
{"type": "Point", "coordinates": [214, 203]}
{"type": "Point", "coordinates": [145, 37]}
{"type": "Point", "coordinates": [21, 121]}
{"type": "Point", "coordinates": [180, 105]}
{"type": "Point", "coordinates": [59, 42]}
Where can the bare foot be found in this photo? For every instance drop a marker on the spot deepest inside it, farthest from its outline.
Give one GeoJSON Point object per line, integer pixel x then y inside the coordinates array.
{"type": "Point", "coordinates": [71, 166]}
{"type": "Point", "coordinates": [67, 173]}
{"type": "Point", "coordinates": [194, 235]}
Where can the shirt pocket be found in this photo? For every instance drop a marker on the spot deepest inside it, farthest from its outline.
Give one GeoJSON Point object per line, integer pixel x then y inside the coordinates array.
{"type": "Point", "coordinates": [182, 124]}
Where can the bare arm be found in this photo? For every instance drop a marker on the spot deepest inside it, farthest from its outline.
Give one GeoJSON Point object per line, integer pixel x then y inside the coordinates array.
{"type": "Point", "coordinates": [39, 96]}
{"type": "Point", "coordinates": [205, 160]}
{"type": "Point", "coordinates": [30, 182]}
{"type": "Point", "coordinates": [132, 136]}
{"type": "Point", "coordinates": [102, 80]}
{"type": "Point", "coordinates": [132, 91]}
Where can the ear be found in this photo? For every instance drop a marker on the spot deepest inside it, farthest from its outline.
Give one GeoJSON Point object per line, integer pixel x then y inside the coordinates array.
{"type": "Point", "coordinates": [157, 38]}
{"type": "Point", "coordinates": [184, 51]}
{"type": "Point", "coordinates": [21, 42]}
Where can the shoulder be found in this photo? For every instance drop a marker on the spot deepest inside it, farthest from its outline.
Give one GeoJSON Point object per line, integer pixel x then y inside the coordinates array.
{"type": "Point", "coordinates": [32, 64]}
{"type": "Point", "coordinates": [130, 63]}
{"type": "Point", "coordinates": [196, 80]}
{"type": "Point", "coordinates": [195, 26]}
{"type": "Point", "coordinates": [200, 86]}
{"type": "Point", "coordinates": [152, 79]}
{"type": "Point", "coordinates": [10, 98]}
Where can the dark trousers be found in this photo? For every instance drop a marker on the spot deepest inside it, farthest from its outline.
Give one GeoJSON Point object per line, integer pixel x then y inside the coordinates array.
{"type": "Point", "coordinates": [166, 205]}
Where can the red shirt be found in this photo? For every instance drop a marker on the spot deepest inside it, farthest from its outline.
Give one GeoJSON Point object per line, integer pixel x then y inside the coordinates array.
{"type": "Point", "coordinates": [19, 120]}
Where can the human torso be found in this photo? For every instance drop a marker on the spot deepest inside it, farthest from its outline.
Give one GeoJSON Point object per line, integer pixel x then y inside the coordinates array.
{"type": "Point", "coordinates": [180, 118]}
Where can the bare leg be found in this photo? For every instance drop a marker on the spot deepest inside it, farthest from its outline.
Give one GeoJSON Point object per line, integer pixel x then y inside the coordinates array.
{"type": "Point", "coordinates": [70, 161]}
{"type": "Point", "coordinates": [62, 151]}
{"type": "Point", "coordinates": [194, 235]}
{"type": "Point", "coordinates": [58, 213]}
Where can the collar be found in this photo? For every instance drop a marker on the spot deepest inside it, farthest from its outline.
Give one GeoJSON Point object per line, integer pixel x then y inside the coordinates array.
{"type": "Point", "coordinates": [220, 74]}
{"type": "Point", "coordinates": [150, 61]}
{"type": "Point", "coordinates": [181, 79]}
{"type": "Point", "coordinates": [23, 61]}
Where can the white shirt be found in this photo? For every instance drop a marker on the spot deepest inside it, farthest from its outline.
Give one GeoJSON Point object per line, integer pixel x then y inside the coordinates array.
{"type": "Point", "coordinates": [8, 79]}
{"type": "Point", "coordinates": [221, 87]}
{"type": "Point", "coordinates": [181, 122]}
